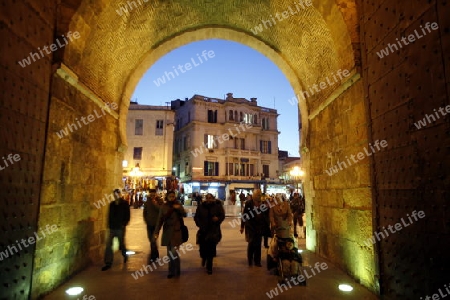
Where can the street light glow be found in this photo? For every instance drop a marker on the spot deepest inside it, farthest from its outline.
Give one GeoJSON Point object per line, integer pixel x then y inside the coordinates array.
{"type": "Point", "coordinates": [73, 291]}
{"type": "Point", "coordinates": [345, 287]}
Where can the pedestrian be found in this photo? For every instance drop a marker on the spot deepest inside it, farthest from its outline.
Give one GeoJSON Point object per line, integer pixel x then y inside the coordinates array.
{"type": "Point", "coordinates": [233, 197]}
{"type": "Point", "coordinates": [252, 222]}
{"type": "Point", "coordinates": [298, 209]}
{"type": "Point", "coordinates": [118, 218]}
{"type": "Point", "coordinates": [151, 212]}
{"type": "Point", "coordinates": [208, 217]}
{"type": "Point", "coordinates": [242, 200]}
{"type": "Point", "coordinates": [198, 198]}
{"type": "Point", "coordinates": [267, 232]}
{"type": "Point", "coordinates": [281, 218]}
{"type": "Point", "coordinates": [170, 219]}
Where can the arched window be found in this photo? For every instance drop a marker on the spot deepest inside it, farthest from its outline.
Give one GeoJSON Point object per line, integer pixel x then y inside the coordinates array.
{"type": "Point", "coordinates": [230, 115]}
{"type": "Point", "coordinates": [241, 116]}
{"type": "Point", "coordinates": [235, 115]}
{"type": "Point", "coordinates": [255, 119]}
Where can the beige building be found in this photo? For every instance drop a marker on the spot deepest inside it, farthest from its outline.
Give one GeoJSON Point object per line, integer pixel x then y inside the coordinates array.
{"type": "Point", "coordinates": [150, 142]}
{"type": "Point", "coordinates": [222, 145]}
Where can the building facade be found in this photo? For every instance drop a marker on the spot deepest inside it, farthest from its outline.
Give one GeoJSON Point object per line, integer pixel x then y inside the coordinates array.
{"type": "Point", "coordinates": [150, 135]}
{"type": "Point", "coordinates": [224, 145]}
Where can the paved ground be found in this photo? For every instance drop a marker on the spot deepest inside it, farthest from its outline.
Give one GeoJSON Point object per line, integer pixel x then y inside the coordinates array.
{"type": "Point", "coordinates": [231, 278]}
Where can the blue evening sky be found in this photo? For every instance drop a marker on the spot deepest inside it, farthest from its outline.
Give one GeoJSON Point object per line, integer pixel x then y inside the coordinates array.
{"type": "Point", "coordinates": [236, 69]}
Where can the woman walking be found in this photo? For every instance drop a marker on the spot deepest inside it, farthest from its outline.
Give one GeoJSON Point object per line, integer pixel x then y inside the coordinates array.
{"type": "Point", "coordinates": [208, 217]}
{"type": "Point", "coordinates": [170, 219]}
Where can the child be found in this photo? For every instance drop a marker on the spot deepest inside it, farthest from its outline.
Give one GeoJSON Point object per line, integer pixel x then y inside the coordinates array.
{"type": "Point", "coordinates": [291, 260]}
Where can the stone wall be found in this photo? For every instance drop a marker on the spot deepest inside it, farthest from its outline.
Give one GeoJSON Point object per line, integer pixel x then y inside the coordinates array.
{"type": "Point", "coordinates": [339, 207]}
{"type": "Point", "coordinates": [80, 168]}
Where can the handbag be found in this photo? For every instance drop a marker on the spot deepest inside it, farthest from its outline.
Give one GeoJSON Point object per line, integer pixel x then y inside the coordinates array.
{"type": "Point", "coordinates": [184, 231]}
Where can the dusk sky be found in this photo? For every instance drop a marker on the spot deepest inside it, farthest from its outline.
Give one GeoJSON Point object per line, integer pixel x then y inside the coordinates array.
{"type": "Point", "coordinates": [236, 69]}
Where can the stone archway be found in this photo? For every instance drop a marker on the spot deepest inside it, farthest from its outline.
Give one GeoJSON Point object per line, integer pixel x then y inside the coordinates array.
{"type": "Point", "coordinates": [114, 50]}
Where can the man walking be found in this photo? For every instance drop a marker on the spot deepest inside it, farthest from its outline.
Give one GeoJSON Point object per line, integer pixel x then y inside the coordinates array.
{"type": "Point", "coordinates": [298, 209]}
{"type": "Point", "coordinates": [119, 216]}
{"type": "Point", "coordinates": [253, 223]}
{"type": "Point", "coordinates": [242, 200]}
{"type": "Point", "coordinates": [151, 213]}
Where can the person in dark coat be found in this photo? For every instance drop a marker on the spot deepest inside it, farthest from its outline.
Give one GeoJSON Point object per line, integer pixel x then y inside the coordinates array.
{"type": "Point", "coordinates": [253, 221]}
{"type": "Point", "coordinates": [298, 209]}
{"type": "Point", "coordinates": [169, 219]}
{"type": "Point", "coordinates": [151, 212]}
{"type": "Point", "coordinates": [118, 218]}
{"type": "Point", "coordinates": [267, 232]}
{"type": "Point", "coordinates": [208, 217]}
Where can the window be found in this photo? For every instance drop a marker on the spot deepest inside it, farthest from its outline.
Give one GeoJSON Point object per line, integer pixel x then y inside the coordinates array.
{"type": "Point", "coordinates": [212, 116]}
{"type": "Point", "coordinates": [239, 143]}
{"type": "Point", "coordinates": [255, 119]}
{"type": "Point", "coordinates": [241, 117]}
{"type": "Point", "coordinates": [229, 170]}
{"type": "Point", "coordinates": [265, 146]}
{"type": "Point", "coordinates": [230, 115]}
{"type": "Point", "coordinates": [175, 145]}
{"type": "Point", "coordinates": [138, 127]}
{"type": "Point", "coordinates": [265, 171]}
{"type": "Point", "coordinates": [179, 124]}
{"type": "Point", "coordinates": [248, 118]}
{"type": "Point", "coordinates": [159, 127]}
{"type": "Point", "coordinates": [240, 169]}
{"type": "Point", "coordinates": [186, 142]}
{"type": "Point", "coordinates": [265, 123]}
{"type": "Point", "coordinates": [210, 141]}
{"type": "Point", "coordinates": [137, 153]}
{"type": "Point", "coordinates": [235, 116]}
{"type": "Point", "coordinates": [211, 168]}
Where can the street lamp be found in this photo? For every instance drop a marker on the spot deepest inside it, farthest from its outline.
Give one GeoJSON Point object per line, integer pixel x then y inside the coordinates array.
{"type": "Point", "coordinates": [297, 172]}
{"type": "Point", "coordinates": [136, 172]}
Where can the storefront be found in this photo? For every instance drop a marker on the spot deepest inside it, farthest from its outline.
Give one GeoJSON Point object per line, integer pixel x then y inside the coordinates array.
{"type": "Point", "coordinates": [215, 188]}
{"type": "Point", "coordinates": [274, 189]}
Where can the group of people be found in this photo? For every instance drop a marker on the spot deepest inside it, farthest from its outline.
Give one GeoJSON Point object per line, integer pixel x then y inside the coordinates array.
{"type": "Point", "coordinates": [138, 197]}
{"type": "Point", "coordinates": [166, 215]}
{"type": "Point", "coordinates": [276, 215]}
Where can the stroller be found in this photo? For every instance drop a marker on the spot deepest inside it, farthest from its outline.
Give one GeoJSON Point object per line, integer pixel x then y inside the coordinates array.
{"type": "Point", "coordinates": [283, 256]}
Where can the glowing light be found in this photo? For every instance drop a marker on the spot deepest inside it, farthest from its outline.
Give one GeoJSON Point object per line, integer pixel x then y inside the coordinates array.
{"type": "Point", "coordinates": [345, 288]}
{"type": "Point", "coordinates": [129, 252]}
{"type": "Point", "coordinates": [124, 163]}
{"type": "Point", "coordinates": [74, 291]}
{"type": "Point", "coordinates": [300, 251]}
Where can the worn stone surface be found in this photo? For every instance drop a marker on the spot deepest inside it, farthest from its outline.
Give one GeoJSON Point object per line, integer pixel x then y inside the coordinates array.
{"type": "Point", "coordinates": [342, 203]}
{"type": "Point", "coordinates": [80, 167]}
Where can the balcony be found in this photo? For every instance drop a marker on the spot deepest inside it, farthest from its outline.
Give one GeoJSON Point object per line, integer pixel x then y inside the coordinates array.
{"type": "Point", "coordinates": [240, 152]}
